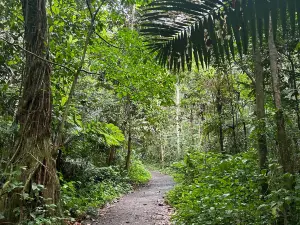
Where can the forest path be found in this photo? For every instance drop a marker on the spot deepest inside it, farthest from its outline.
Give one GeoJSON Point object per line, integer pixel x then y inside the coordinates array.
{"type": "Point", "coordinates": [145, 206]}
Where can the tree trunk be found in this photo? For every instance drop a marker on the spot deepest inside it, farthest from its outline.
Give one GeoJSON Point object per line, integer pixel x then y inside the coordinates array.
{"type": "Point", "coordinates": [219, 110]}
{"type": "Point", "coordinates": [162, 150]}
{"type": "Point", "coordinates": [260, 115]}
{"type": "Point", "coordinates": [245, 135]}
{"type": "Point", "coordinates": [178, 131]}
{"type": "Point", "coordinates": [128, 149]}
{"type": "Point", "coordinates": [192, 127]}
{"type": "Point", "coordinates": [34, 152]}
{"type": "Point", "coordinates": [284, 147]}
{"type": "Point", "coordinates": [111, 156]}
{"type": "Point", "coordinates": [294, 86]}
{"type": "Point", "coordinates": [234, 125]}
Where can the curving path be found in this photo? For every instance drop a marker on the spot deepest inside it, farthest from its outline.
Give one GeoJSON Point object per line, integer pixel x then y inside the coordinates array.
{"type": "Point", "coordinates": [145, 206]}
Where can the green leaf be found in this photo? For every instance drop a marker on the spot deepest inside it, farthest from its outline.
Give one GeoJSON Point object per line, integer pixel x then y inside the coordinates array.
{"type": "Point", "coordinates": [64, 100]}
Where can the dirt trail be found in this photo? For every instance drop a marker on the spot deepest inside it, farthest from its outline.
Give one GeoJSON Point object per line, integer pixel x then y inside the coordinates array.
{"type": "Point", "coordinates": [145, 206]}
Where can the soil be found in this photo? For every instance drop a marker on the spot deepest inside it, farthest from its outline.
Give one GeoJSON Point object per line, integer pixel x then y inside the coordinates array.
{"type": "Point", "coordinates": [145, 206]}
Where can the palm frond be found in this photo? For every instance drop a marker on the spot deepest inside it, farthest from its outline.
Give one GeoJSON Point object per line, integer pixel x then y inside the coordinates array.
{"type": "Point", "coordinates": [183, 31]}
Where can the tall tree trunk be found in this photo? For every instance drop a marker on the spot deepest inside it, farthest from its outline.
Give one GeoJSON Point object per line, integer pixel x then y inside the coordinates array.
{"type": "Point", "coordinates": [260, 115]}
{"type": "Point", "coordinates": [34, 152]}
{"type": "Point", "coordinates": [284, 147]}
{"type": "Point", "coordinates": [178, 116]}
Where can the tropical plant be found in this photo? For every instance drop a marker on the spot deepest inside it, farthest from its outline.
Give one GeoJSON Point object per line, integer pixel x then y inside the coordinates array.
{"type": "Point", "coordinates": [183, 30]}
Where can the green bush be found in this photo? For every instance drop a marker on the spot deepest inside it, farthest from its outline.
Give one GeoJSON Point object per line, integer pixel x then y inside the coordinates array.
{"type": "Point", "coordinates": [93, 190]}
{"type": "Point", "coordinates": [138, 174]}
{"type": "Point", "coordinates": [217, 189]}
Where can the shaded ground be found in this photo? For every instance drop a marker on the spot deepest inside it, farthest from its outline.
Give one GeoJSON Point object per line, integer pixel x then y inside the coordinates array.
{"type": "Point", "coordinates": [145, 206]}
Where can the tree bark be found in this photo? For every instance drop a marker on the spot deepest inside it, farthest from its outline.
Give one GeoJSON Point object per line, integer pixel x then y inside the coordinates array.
{"type": "Point", "coordinates": [33, 150]}
{"type": "Point", "coordinates": [260, 115]}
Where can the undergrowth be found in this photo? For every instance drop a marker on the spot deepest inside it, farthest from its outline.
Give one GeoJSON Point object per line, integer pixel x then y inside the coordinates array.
{"type": "Point", "coordinates": [97, 186]}
{"type": "Point", "coordinates": [217, 189]}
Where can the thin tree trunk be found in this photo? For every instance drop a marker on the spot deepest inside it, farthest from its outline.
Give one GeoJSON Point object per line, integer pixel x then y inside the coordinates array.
{"type": "Point", "coordinates": [260, 115]}
{"type": "Point", "coordinates": [245, 135]}
{"type": "Point", "coordinates": [219, 111]}
{"type": "Point", "coordinates": [178, 116]}
{"type": "Point", "coordinates": [129, 116]}
{"type": "Point", "coordinates": [128, 149]}
{"type": "Point", "coordinates": [192, 127]}
{"type": "Point", "coordinates": [33, 150]}
{"type": "Point", "coordinates": [162, 150]}
{"type": "Point", "coordinates": [234, 124]}
{"type": "Point", "coordinates": [294, 86]}
{"type": "Point", "coordinates": [111, 156]}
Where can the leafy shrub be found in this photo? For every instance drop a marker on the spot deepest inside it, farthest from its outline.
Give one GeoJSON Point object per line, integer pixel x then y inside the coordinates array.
{"type": "Point", "coordinates": [217, 189]}
{"type": "Point", "coordinates": [138, 173]}
{"type": "Point", "coordinates": [93, 190]}
{"type": "Point", "coordinates": [79, 201]}
{"type": "Point", "coordinates": [87, 172]}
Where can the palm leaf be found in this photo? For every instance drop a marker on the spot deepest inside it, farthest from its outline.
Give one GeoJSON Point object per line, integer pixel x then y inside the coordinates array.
{"type": "Point", "coordinates": [183, 31]}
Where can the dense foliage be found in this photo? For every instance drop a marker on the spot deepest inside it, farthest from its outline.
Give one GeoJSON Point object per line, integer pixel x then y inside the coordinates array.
{"type": "Point", "coordinates": [217, 189]}
{"type": "Point", "coordinates": [85, 103]}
